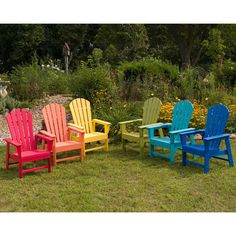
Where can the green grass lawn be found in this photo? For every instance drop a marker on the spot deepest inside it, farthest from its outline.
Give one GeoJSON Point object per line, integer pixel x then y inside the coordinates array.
{"type": "Point", "coordinates": [118, 181]}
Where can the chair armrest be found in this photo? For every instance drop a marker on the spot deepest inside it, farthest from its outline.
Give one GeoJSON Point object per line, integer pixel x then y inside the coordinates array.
{"type": "Point", "coordinates": [78, 131]}
{"type": "Point", "coordinates": [173, 134]}
{"type": "Point", "coordinates": [146, 126]}
{"type": "Point", "coordinates": [47, 139]}
{"type": "Point", "coordinates": [153, 127]}
{"type": "Point", "coordinates": [216, 137]}
{"type": "Point", "coordinates": [75, 129]}
{"type": "Point", "coordinates": [101, 122]}
{"type": "Point", "coordinates": [130, 121]}
{"type": "Point", "coordinates": [181, 131]}
{"type": "Point", "coordinates": [183, 135]}
{"type": "Point", "coordinates": [14, 143]}
{"type": "Point", "coordinates": [47, 133]}
{"type": "Point", "coordinates": [44, 137]}
{"type": "Point", "coordinates": [76, 126]}
{"type": "Point", "coordinates": [160, 126]}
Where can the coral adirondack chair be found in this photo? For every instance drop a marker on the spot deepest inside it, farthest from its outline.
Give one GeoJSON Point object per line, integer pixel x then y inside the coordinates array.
{"type": "Point", "coordinates": [54, 116]}
{"type": "Point", "coordinates": [181, 116]}
{"type": "Point", "coordinates": [151, 111]}
{"type": "Point", "coordinates": [25, 142]}
{"type": "Point", "coordinates": [82, 118]}
{"type": "Point", "coordinates": [212, 136]}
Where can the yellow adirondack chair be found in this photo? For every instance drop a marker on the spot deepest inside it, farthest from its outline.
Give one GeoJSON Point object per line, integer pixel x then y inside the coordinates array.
{"type": "Point", "coordinates": [82, 118]}
{"type": "Point", "coordinates": [151, 110]}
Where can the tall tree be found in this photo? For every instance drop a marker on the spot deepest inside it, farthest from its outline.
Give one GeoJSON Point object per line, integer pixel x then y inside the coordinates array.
{"type": "Point", "coordinates": [127, 42]}
{"type": "Point", "coordinates": [19, 43]}
{"type": "Point", "coordinates": [185, 41]}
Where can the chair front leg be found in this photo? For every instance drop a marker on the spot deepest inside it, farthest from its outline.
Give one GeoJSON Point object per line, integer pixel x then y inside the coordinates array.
{"type": "Point", "coordinates": [206, 164]}
{"type": "Point", "coordinates": [151, 150]}
{"type": "Point", "coordinates": [49, 165]}
{"type": "Point", "coordinates": [228, 148]}
{"type": "Point", "coordinates": [20, 169]}
{"type": "Point", "coordinates": [107, 145]}
{"type": "Point", "coordinates": [123, 144]}
{"type": "Point", "coordinates": [172, 154]}
{"type": "Point", "coordinates": [141, 141]}
{"type": "Point", "coordinates": [7, 156]}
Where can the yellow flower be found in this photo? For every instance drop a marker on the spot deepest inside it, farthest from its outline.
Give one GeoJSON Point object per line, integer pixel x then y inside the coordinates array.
{"type": "Point", "coordinates": [206, 99]}
{"type": "Point", "coordinates": [152, 94]}
{"type": "Point", "coordinates": [125, 105]}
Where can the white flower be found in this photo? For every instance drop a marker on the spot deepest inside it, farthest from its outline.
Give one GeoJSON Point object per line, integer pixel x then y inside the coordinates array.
{"type": "Point", "coordinates": [48, 66]}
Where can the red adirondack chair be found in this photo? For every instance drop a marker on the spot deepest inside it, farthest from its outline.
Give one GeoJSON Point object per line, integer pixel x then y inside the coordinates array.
{"type": "Point", "coordinates": [25, 142]}
{"type": "Point", "coordinates": [54, 116]}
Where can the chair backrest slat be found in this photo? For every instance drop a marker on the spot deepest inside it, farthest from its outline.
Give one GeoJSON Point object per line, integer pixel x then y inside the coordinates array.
{"type": "Point", "coordinates": [151, 111]}
{"type": "Point", "coordinates": [54, 116]}
{"type": "Point", "coordinates": [81, 113]}
{"type": "Point", "coordinates": [21, 128]}
{"type": "Point", "coordinates": [217, 117]}
{"type": "Point", "coordinates": [181, 115]}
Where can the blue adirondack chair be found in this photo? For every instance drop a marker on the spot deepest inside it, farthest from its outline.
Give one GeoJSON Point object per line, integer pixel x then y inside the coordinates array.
{"type": "Point", "coordinates": [181, 116]}
{"type": "Point", "coordinates": [213, 134]}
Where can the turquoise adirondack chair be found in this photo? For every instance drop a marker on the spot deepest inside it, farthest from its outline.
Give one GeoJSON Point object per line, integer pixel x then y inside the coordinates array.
{"type": "Point", "coordinates": [180, 120]}
{"type": "Point", "coordinates": [212, 137]}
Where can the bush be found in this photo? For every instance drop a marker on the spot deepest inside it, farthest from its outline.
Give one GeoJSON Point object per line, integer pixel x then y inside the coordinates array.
{"type": "Point", "coordinates": [117, 112]}
{"type": "Point", "coordinates": [28, 82]}
{"type": "Point", "coordinates": [31, 82]}
{"type": "Point", "coordinates": [147, 73]}
{"type": "Point", "coordinates": [8, 103]}
{"type": "Point", "coordinates": [226, 73]}
{"type": "Point", "coordinates": [57, 80]}
{"type": "Point", "coordinates": [87, 81]}
{"type": "Point", "coordinates": [195, 84]}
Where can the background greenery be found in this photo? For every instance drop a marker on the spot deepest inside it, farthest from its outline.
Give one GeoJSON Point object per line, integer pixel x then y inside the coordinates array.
{"type": "Point", "coordinates": [117, 67]}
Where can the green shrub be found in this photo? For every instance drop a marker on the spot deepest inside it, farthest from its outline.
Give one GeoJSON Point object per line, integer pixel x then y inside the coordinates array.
{"type": "Point", "coordinates": [57, 80]}
{"type": "Point", "coordinates": [8, 103]}
{"type": "Point", "coordinates": [28, 82]}
{"type": "Point", "coordinates": [227, 73]}
{"type": "Point", "coordinates": [117, 112]}
{"type": "Point", "coordinates": [87, 81]}
{"type": "Point", "coordinates": [139, 78]}
{"type": "Point", "coordinates": [33, 81]}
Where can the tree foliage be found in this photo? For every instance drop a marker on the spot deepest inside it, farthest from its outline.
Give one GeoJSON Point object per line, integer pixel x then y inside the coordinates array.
{"type": "Point", "coordinates": [185, 45]}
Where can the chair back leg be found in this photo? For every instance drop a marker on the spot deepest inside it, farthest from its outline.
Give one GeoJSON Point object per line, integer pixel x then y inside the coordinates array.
{"type": "Point", "coordinates": [49, 165]}
{"type": "Point", "coordinates": [184, 158]}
